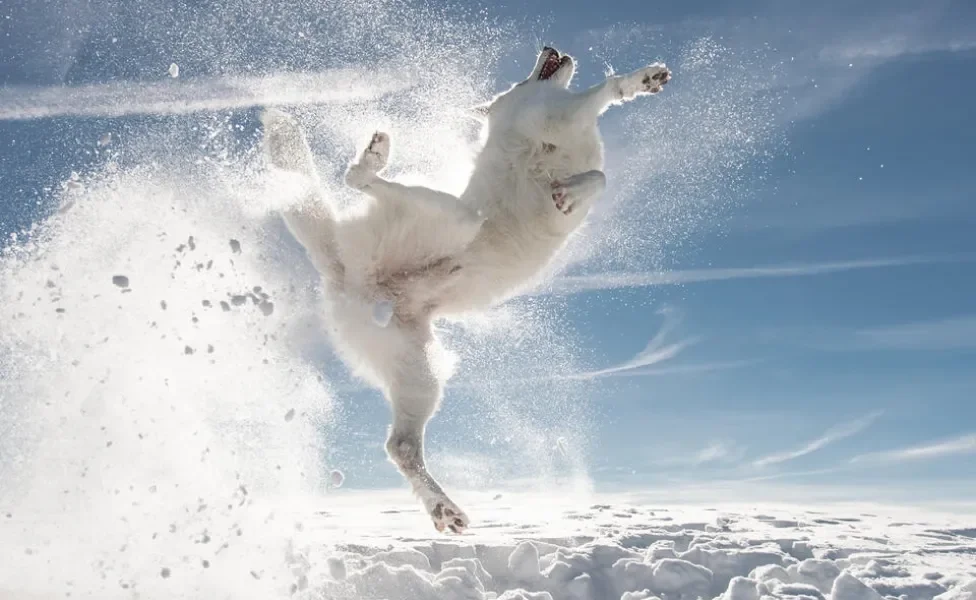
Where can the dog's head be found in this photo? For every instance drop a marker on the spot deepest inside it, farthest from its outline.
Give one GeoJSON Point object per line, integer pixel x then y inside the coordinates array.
{"type": "Point", "coordinates": [552, 68]}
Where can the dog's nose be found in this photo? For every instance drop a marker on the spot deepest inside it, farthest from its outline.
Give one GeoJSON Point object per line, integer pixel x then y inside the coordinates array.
{"type": "Point", "coordinates": [548, 49]}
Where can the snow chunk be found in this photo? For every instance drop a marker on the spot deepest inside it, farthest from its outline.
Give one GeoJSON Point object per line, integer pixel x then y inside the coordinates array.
{"type": "Point", "coordinates": [336, 477]}
{"type": "Point", "coordinates": [848, 587]}
{"type": "Point", "coordinates": [771, 573]}
{"type": "Point", "coordinates": [337, 568]}
{"type": "Point", "coordinates": [673, 575]}
{"type": "Point", "coordinates": [523, 563]}
{"type": "Point", "coordinates": [641, 595]}
{"type": "Point", "coordinates": [474, 569]}
{"type": "Point", "coordinates": [726, 563]}
{"type": "Point", "coordinates": [458, 583]}
{"type": "Point", "coordinates": [403, 556]}
{"type": "Point", "coordinates": [966, 591]}
{"type": "Point", "coordinates": [816, 572]}
{"type": "Point", "coordinates": [521, 594]}
{"type": "Point", "coordinates": [742, 588]}
{"type": "Point", "coordinates": [605, 554]}
{"type": "Point", "coordinates": [581, 587]}
{"type": "Point", "coordinates": [174, 70]}
{"type": "Point", "coordinates": [801, 591]}
{"type": "Point", "coordinates": [882, 568]}
{"type": "Point", "coordinates": [379, 580]}
{"type": "Point", "coordinates": [666, 576]}
{"type": "Point", "coordinates": [660, 549]}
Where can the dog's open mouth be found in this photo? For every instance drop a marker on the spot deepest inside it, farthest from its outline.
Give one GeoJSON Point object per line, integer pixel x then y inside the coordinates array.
{"type": "Point", "coordinates": [552, 64]}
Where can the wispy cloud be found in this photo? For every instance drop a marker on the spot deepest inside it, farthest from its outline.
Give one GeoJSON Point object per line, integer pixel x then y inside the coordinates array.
{"type": "Point", "coordinates": [718, 452]}
{"type": "Point", "coordinates": [955, 333]}
{"type": "Point", "coordinates": [822, 202]}
{"type": "Point", "coordinates": [831, 61]}
{"type": "Point", "coordinates": [715, 453]}
{"type": "Point", "coordinates": [834, 434]}
{"type": "Point", "coordinates": [897, 45]}
{"type": "Point", "coordinates": [965, 444]}
{"type": "Point", "coordinates": [652, 371]}
{"type": "Point", "coordinates": [688, 368]}
{"type": "Point", "coordinates": [655, 352]}
{"type": "Point", "coordinates": [790, 474]}
{"type": "Point", "coordinates": [572, 284]}
{"type": "Point", "coordinates": [658, 350]}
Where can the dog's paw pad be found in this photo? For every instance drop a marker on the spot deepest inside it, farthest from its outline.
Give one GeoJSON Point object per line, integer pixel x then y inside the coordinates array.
{"type": "Point", "coordinates": [448, 517]}
{"type": "Point", "coordinates": [655, 77]}
{"type": "Point", "coordinates": [561, 198]}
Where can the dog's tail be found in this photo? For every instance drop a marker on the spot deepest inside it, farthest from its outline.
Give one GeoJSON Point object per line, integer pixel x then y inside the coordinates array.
{"type": "Point", "coordinates": [312, 221]}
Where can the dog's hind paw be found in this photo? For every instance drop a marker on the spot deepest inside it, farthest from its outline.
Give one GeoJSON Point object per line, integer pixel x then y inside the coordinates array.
{"type": "Point", "coordinates": [376, 154]}
{"type": "Point", "coordinates": [571, 192]}
{"type": "Point", "coordinates": [446, 515]}
{"type": "Point", "coordinates": [562, 198]}
{"type": "Point", "coordinates": [371, 161]}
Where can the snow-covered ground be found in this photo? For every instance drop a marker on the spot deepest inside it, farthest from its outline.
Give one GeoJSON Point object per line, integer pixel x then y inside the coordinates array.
{"type": "Point", "coordinates": [530, 546]}
{"type": "Point", "coordinates": [537, 546]}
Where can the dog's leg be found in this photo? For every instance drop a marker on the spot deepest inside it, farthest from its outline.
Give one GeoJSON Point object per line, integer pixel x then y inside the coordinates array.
{"type": "Point", "coordinates": [578, 191]}
{"type": "Point", "coordinates": [364, 176]}
{"type": "Point", "coordinates": [312, 220]}
{"type": "Point", "coordinates": [617, 89]}
{"type": "Point", "coordinates": [414, 394]}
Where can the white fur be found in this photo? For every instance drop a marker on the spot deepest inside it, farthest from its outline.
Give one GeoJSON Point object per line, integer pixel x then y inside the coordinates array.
{"type": "Point", "coordinates": [417, 254]}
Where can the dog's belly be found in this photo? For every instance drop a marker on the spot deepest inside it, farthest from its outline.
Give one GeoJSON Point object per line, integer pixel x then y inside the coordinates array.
{"type": "Point", "coordinates": [496, 265]}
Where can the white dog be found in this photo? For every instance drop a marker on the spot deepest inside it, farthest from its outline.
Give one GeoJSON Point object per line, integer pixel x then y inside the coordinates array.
{"type": "Point", "coordinates": [417, 254]}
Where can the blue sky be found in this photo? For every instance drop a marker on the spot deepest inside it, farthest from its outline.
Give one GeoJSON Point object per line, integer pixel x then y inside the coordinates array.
{"type": "Point", "coordinates": [794, 297]}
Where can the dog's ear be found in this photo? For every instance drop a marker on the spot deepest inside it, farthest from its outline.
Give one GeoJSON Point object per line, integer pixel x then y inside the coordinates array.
{"type": "Point", "coordinates": [480, 111]}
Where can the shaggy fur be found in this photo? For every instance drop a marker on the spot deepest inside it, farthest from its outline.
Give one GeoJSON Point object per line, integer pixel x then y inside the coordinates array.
{"type": "Point", "coordinates": [418, 254]}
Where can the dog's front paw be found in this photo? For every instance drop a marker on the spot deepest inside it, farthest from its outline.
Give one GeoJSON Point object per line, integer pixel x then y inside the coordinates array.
{"type": "Point", "coordinates": [649, 80]}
